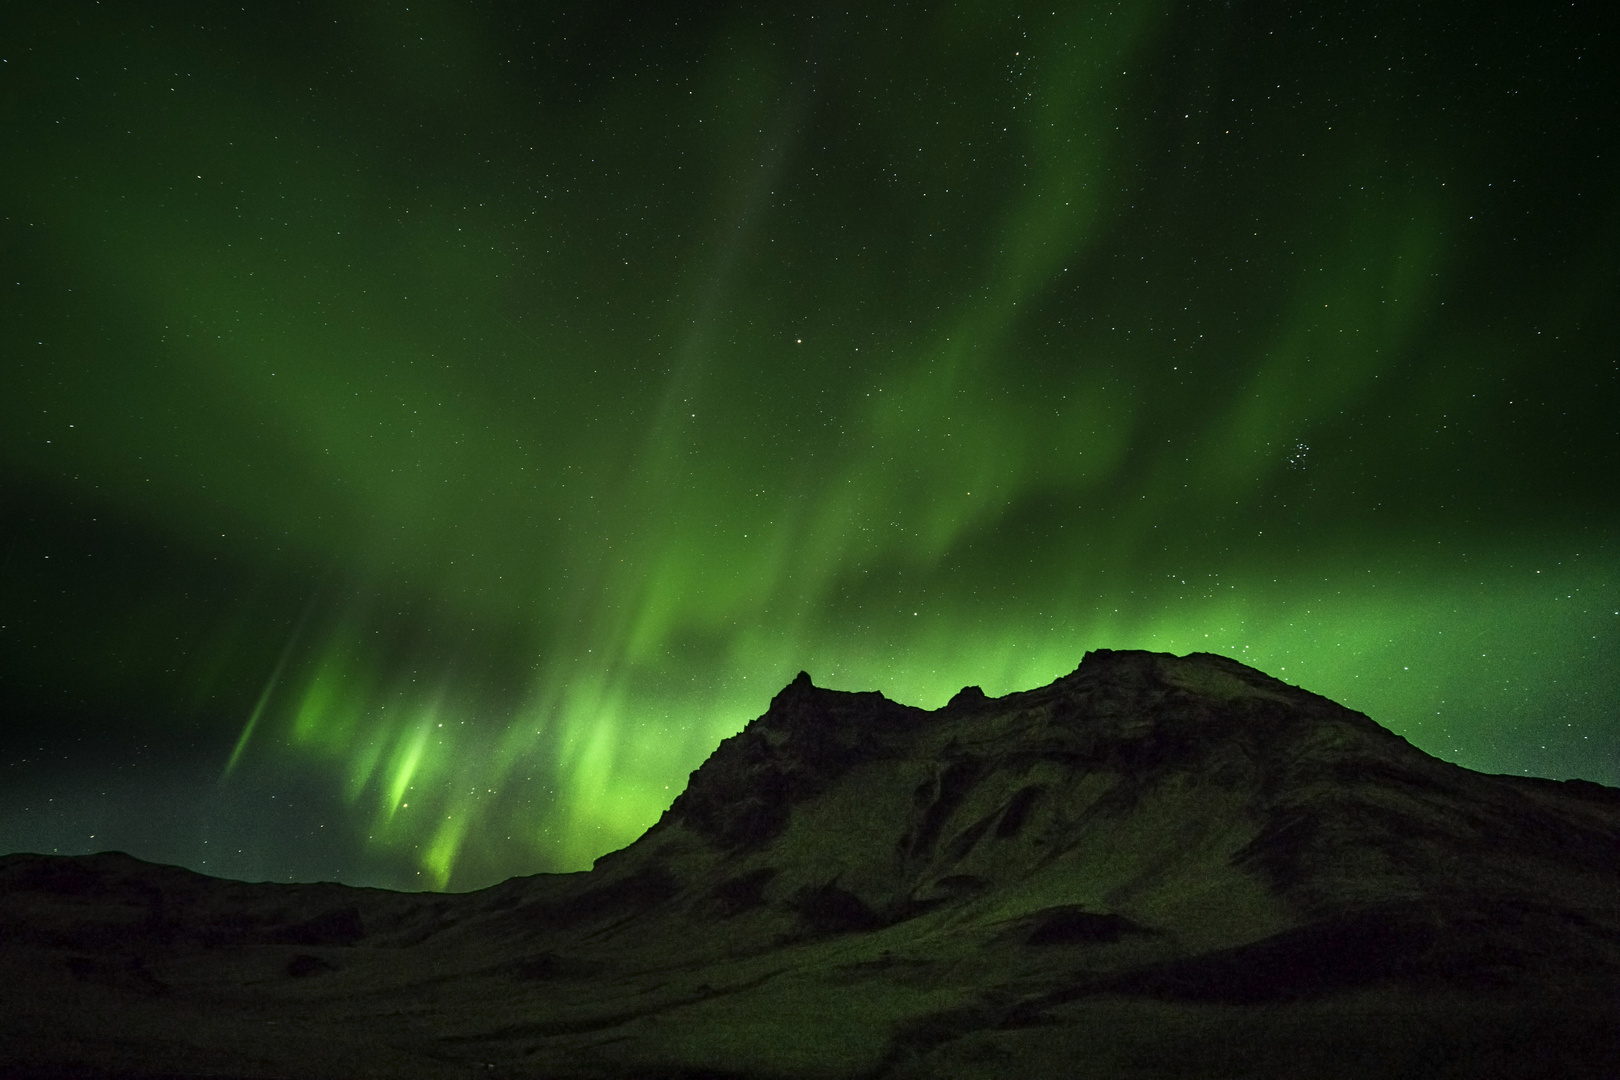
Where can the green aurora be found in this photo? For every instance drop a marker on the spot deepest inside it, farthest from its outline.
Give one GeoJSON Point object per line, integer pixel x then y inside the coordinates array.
{"type": "Point", "coordinates": [457, 418]}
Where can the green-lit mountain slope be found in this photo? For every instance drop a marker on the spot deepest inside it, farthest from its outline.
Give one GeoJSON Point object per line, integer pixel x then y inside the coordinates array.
{"type": "Point", "coordinates": [1155, 866]}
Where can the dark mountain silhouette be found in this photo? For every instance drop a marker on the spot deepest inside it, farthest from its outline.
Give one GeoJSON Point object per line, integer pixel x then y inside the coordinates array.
{"type": "Point", "coordinates": [1154, 867]}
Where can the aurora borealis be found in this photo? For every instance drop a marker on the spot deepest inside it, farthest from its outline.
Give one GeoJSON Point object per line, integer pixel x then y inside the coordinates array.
{"type": "Point", "coordinates": [429, 429]}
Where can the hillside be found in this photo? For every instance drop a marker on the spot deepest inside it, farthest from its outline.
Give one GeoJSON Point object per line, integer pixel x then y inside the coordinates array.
{"type": "Point", "coordinates": [1153, 867]}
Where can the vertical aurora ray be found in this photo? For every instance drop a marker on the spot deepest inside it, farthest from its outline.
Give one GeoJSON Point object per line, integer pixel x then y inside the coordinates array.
{"type": "Point", "coordinates": [599, 379]}
{"type": "Point", "coordinates": [270, 685]}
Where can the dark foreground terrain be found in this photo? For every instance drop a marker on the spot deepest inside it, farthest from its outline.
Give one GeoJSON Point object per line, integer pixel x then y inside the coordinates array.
{"type": "Point", "coordinates": [1154, 867]}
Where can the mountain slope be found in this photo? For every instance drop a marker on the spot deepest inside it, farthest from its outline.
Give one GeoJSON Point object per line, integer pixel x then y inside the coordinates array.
{"type": "Point", "coordinates": [1155, 866]}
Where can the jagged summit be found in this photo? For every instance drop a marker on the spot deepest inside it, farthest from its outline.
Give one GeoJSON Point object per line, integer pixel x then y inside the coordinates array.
{"type": "Point", "coordinates": [967, 698]}
{"type": "Point", "coordinates": [1238, 790]}
{"type": "Point", "coordinates": [1101, 870]}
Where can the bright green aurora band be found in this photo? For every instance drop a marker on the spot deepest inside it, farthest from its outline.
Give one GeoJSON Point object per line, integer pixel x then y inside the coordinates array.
{"type": "Point", "coordinates": [455, 419]}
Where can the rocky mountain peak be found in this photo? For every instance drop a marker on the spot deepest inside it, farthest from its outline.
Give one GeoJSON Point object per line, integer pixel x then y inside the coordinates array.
{"type": "Point", "coordinates": [1112, 867]}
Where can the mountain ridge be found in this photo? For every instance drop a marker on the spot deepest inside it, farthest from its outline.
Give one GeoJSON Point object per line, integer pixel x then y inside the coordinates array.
{"type": "Point", "coordinates": [854, 887]}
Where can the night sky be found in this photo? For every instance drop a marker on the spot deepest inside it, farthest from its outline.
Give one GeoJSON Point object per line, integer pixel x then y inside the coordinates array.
{"type": "Point", "coordinates": [427, 430]}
